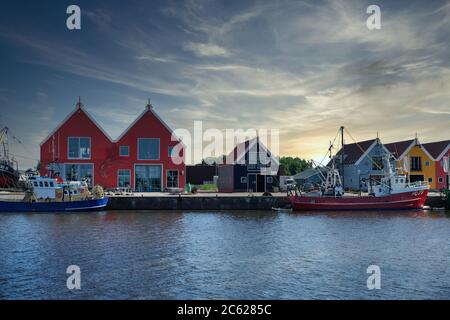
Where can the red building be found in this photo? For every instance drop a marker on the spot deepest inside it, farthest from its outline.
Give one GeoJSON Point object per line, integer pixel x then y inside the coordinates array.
{"type": "Point", "coordinates": [143, 158]}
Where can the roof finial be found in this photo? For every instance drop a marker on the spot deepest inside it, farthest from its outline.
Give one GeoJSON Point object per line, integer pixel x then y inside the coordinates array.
{"type": "Point", "coordinates": [149, 105]}
{"type": "Point", "coordinates": [79, 104]}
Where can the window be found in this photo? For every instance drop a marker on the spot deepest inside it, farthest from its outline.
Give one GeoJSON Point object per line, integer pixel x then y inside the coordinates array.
{"type": "Point", "coordinates": [430, 180]}
{"type": "Point", "coordinates": [79, 148]}
{"type": "Point", "coordinates": [46, 184]}
{"type": "Point", "coordinates": [416, 164]}
{"type": "Point", "coordinates": [148, 149]}
{"type": "Point", "coordinates": [269, 179]}
{"type": "Point", "coordinates": [377, 163]}
{"type": "Point", "coordinates": [51, 184]}
{"type": "Point", "coordinates": [171, 152]}
{"type": "Point", "coordinates": [78, 172]}
{"type": "Point", "coordinates": [440, 179]}
{"type": "Point", "coordinates": [243, 179]}
{"type": "Point", "coordinates": [41, 184]}
{"type": "Point", "coordinates": [124, 151]}
{"type": "Point", "coordinates": [35, 183]}
{"type": "Point", "coordinates": [427, 163]}
{"type": "Point", "coordinates": [124, 178]}
{"type": "Point", "coordinates": [147, 178]}
{"type": "Point", "coordinates": [172, 178]}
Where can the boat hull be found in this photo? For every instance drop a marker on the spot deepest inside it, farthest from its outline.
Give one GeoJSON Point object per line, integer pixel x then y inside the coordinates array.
{"type": "Point", "coordinates": [402, 201]}
{"type": "Point", "coordinates": [66, 206]}
{"type": "Point", "coordinates": [8, 177]}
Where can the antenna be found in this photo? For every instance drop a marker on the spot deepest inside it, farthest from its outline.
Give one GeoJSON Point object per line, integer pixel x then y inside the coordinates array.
{"type": "Point", "coordinates": [79, 104]}
{"type": "Point", "coordinates": [149, 105]}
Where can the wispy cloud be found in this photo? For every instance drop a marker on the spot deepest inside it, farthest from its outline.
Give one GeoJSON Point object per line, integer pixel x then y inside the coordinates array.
{"type": "Point", "coordinates": [206, 49]}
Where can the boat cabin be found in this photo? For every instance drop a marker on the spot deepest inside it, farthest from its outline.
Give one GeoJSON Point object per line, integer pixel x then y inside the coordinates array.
{"type": "Point", "coordinates": [43, 187]}
{"type": "Point", "coordinates": [50, 188]}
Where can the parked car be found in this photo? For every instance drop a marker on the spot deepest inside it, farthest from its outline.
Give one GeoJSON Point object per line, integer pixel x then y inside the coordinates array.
{"type": "Point", "coordinates": [289, 184]}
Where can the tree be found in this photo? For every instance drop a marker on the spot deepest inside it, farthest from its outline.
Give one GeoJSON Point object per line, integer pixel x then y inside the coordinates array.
{"type": "Point", "coordinates": [295, 165]}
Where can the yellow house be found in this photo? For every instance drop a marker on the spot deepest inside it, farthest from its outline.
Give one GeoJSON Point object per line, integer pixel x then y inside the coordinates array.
{"type": "Point", "coordinates": [420, 165]}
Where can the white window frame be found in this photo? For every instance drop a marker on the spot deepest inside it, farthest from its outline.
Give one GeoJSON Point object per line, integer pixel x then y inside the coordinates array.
{"type": "Point", "coordinates": [124, 155]}
{"type": "Point", "coordinates": [159, 149]}
{"type": "Point", "coordinates": [81, 163]}
{"type": "Point", "coordinates": [269, 179]}
{"type": "Point", "coordinates": [129, 172]}
{"type": "Point", "coordinates": [79, 156]}
{"type": "Point", "coordinates": [149, 164]}
{"type": "Point", "coordinates": [167, 177]}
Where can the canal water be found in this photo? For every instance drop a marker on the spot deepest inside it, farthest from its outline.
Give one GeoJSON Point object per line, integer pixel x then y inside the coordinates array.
{"type": "Point", "coordinates": [225, 255]}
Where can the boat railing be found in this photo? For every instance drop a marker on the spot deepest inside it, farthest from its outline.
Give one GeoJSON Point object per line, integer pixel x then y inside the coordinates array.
{"type": "Point", "coordinates": [418, 184]}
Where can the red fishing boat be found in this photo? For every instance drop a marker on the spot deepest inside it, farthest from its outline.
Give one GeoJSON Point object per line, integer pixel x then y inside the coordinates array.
{"type": "Point", "coordinates": [404, 200]}
{"type": "Point", "coordinates": [392, 192]}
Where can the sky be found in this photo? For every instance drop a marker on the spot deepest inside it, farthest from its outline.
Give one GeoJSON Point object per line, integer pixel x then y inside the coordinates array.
{"type": "Point", "coordinates": [302, 67]}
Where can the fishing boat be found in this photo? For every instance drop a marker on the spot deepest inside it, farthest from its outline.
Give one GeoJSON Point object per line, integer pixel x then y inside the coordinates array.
{"type": "Point", "coordinates": [45, 194]}
{"type": "Point", "coordinates": [392, 192]}
{"type": "Point", "coordinates": [9, 175]}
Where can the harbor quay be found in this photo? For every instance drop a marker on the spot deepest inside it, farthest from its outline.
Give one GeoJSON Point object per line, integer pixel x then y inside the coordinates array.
{"type": "Point", "coordinates": [215, 201]}
{"type": "Point", "coordinates": [200, 201]}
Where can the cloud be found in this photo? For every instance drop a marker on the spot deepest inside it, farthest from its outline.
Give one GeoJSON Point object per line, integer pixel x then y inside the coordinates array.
{"type": "Point", "coordinates": [206, 49]}
{"type": "Point", "coordinates": [302, 67]}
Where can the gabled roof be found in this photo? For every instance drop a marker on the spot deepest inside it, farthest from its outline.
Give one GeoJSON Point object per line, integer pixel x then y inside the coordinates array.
{"type": "Point", "coordinates": [437, 149]}
{"type": "Point", "coordinates": [79, 107]}
{"type": "Point", "coordinates": [355, 151]}
{"type": "Point", "coordinates": [148, 109]}
{"type": "Point", "coordinates": [310, 172]}
{"type": "Point", "coordinates": [400, 149]}
{"type": "Point", "coordinates": [242, 148]}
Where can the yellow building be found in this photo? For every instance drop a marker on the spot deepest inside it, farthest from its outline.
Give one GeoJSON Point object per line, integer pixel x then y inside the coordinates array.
{"type": "Point", "coordinates": [420, 165]}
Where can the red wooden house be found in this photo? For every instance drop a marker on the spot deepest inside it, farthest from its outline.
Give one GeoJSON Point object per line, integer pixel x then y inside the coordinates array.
{"type": "Point", "coordinates": [143, 158]}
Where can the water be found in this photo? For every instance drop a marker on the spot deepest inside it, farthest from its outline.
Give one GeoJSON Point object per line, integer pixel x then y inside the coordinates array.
{"type": "Point", "coordinates": [225, 255]}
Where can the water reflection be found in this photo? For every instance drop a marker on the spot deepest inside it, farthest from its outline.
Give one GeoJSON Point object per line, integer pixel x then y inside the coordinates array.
{"type": "Point", "coordinates": [252, 254]}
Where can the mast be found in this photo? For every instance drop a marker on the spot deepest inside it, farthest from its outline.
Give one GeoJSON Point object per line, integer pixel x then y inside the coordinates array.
{"type": "Point", "coordinates": [4, 142]}
{"type": "Point", "coordinates": [342, 156]}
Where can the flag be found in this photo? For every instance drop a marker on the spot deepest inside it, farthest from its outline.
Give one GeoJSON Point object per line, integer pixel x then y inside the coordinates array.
{"type": "Point", "coordinates": [406, 164]}
{"type": "Point", "coordinates": [445, 164]}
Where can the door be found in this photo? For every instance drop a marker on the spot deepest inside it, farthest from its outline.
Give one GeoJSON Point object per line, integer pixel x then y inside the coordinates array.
{"type": "Point", "coordinates": [261, 183]}
{"type": "Point", "coordinates": [251, 182]}
{"type": "Point", "coordinates": [172, 179]}
{"type": "Point", "coordinates": [147, 178]}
